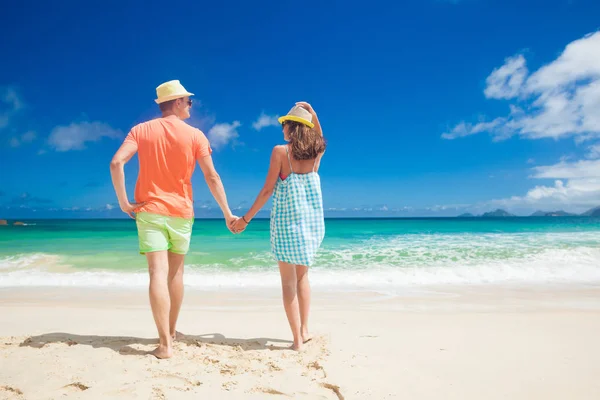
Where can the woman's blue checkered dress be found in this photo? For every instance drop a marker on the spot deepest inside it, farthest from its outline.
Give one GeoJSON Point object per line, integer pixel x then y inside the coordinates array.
{"type": "Point", "coordinates": [297, 224]}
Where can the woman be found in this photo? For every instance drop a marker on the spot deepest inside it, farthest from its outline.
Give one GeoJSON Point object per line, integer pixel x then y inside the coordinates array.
{"type": "Point", "coordinates": [297, 224]}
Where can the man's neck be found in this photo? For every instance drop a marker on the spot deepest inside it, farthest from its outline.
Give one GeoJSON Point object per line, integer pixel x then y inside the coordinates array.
{"type": "Point", "coordinates": [167, 114]}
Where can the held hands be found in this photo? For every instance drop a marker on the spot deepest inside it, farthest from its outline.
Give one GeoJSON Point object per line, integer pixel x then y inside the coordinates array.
{"type": "Point", "coordinates": [238, 226]}
{"type": "Point", "coordinates": [235, 224]}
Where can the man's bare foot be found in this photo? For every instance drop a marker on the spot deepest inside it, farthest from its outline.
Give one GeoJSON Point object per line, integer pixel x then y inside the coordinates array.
{"type": "Point", "coordinates": [162, 352]}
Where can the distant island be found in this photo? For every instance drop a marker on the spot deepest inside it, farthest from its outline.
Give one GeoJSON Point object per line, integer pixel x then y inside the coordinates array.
{"type": "Point", "coordinates": [466, 215]}
{"type": "Point", "coordinates": [499, 213]}
{"type": "Point", "coordinates": [4, 222]}
{"type": "Point", "coordinates": [559, 213]}
{"type": "Point", "coordinates": [594, 212]}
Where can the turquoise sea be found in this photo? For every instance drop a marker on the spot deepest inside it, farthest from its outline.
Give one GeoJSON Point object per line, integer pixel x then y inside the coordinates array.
{"type": "Point", "coordinates": [357, 254]}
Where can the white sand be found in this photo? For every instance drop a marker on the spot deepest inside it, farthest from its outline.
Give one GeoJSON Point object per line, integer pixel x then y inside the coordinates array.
{"type": "Point", "coordinates": [455, 343]}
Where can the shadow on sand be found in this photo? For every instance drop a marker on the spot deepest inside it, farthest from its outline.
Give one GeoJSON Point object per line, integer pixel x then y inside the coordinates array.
{"type": "Point", "coordinates": [122, 344]}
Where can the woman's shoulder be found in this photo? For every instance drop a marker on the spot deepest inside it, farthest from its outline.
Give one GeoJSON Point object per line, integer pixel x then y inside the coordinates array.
{"type": "Point", "coordinates": [279, 149]}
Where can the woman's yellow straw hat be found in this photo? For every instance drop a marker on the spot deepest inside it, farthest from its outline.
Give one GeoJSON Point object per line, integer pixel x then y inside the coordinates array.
{"type": "Point", "coordinates": [298, 114]}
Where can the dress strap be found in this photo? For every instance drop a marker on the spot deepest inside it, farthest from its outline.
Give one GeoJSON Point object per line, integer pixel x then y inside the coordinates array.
{"type": "Point", "coordinates": [289, 160]}
{"type": "Point", "coordinates": [316, 161]}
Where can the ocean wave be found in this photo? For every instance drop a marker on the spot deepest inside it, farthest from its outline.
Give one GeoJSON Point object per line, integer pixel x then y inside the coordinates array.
{"type": "Point", "coordinates": [32, 260]}
{"type": "Point", "coordinates": [559, 265]}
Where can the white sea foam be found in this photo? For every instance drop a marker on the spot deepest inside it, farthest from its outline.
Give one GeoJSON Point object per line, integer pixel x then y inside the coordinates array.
{"type": "Point", "coordinates": [32, 260]}
{"type": "Point", "coordinates": [346, 270]}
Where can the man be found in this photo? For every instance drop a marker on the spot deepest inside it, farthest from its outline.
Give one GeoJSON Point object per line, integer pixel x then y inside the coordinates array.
{"type": "Point", "coordinates": [167, 149]}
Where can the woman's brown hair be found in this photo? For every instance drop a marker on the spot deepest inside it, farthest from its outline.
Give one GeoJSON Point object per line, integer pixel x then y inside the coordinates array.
{"type": "Point", "coordinates": [306, 143]}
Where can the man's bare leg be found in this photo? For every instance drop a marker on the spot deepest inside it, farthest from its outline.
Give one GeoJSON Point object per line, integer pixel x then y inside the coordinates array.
{"type": "Point", "coordinates": [176, 262]}
{"type": "Point", "coordinates": [303, 300]}
{"type": "Point", "coordinates": [158, 267]}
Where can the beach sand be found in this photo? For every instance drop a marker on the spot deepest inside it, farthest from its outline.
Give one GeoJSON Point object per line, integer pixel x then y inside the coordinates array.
{"type": "Point", "coordinates": [446, 343]}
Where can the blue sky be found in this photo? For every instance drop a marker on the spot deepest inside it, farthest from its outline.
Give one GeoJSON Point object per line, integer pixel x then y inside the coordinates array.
{"type": "Point", "coordinates": [429, 107]}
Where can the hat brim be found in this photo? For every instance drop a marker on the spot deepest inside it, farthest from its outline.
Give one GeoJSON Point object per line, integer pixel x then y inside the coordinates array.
{"type": "Point", "coordinates": [296, 119]}
{"type": "Point", "coordinates": [172, 97]}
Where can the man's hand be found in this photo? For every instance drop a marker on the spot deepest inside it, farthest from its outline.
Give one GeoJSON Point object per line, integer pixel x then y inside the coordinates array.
{"type": "Point", "coordinates": [129, 208]}
{"type": "Point", "coordinates": [230, 221]}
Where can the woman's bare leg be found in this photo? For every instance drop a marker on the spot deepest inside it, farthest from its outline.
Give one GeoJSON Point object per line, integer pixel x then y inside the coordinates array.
{"type": "Point", "coordinates": [303, 288]}
{"type": "Point", "coordinates": [289, 284]}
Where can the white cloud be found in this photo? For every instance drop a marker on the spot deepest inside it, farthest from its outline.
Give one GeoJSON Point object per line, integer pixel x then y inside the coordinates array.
{"type": "Point", "coordinates": [506, 81]}
{"type": "Point", "coordinates": [109, 207]}
{"type": "Point", "coordinates": [579, 61]}
{"type": "Point", "coordinates": [10, 104]}
{"type": "Point", "coordinates": [581, 190]}
{"type": "Point", "coordinates": [221, 134]}
{"type": "Point", "coordinates": [560, 99]}
{"type": "Point", "coordinates": [594, 151]}
{"type": "Point", "coordinates": [264, 121]}
{"type": "Point", "coordinates": [566, 170]}
{"type": "Point", "coordinates": [76, 135]}
{"type": "Point", "coordinates": [27, 137]}
{"type": "Point", "coordinates": [579, 194]}
{"type": "Point", "coordinates": [466, 129]}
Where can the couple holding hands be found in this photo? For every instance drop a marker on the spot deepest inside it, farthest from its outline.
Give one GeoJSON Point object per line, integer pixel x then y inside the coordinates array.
{"type": "Point", "coordinates": [168, 150]}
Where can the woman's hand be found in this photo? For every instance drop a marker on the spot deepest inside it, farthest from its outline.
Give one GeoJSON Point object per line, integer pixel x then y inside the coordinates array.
{"type": "Point", "coordinates": [307, 106]}
{"type": "Point", "coordinates": [239, 226]}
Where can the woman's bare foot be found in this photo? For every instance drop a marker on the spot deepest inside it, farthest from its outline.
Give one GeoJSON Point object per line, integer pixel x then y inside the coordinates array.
{"type": "Point", "coordinates": [297, 346]}
{"type": "Point", "coordinates": [177, 336]}
{"type": "Point", "coordinates": [306, 337]}
{"type": "Point", "coordinates": [162, 352]}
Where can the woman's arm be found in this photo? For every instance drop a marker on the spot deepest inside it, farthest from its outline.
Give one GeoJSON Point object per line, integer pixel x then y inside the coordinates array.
{"type": "Point", "coordinates": [265, 193]}
{"type": "Point", "coordinates": [315, 120]}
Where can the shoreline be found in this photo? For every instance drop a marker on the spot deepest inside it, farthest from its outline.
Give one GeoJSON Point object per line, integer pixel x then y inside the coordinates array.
{"type": "Point", "coordinates": [448, 297]}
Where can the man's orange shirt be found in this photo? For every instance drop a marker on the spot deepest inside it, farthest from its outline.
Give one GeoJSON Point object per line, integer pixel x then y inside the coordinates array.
{"type": "Point", "coordinates": [167, 150]}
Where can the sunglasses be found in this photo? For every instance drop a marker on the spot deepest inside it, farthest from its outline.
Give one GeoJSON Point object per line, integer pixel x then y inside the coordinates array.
{"type": "Point", "coordinates": [189, 102]}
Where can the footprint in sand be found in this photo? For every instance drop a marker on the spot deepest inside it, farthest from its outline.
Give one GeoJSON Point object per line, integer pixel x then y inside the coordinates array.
{"type": "Point", "coordinates": [229, 385]}
{"type": "Point", "coordinates": [10, 393]}
{"type": "Point", "coordinates": [273, 367]}
{"type": "Point", "coordinates": [318, 367]}
{"type": "Point", "coordinates": [269, 391]}
{"type": "Point", "coordinates": [178, 382]}
{"type": "Point", "coordinates": [77, 385]}
{"type": "Point", "coordinates": [157, 394]}
{"type": "Point", "coordinates": [334, 388]}
{"type": "Point", "coordinates": [74, 387]}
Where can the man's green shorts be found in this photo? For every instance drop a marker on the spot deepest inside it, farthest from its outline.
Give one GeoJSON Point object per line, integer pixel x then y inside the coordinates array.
{"type": "Point", "coordinates": [161, 232]}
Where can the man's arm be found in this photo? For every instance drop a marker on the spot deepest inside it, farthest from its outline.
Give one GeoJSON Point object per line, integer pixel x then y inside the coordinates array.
{"type": "Point", "coordinates": [117, 173]}
{"type": "Point", "coordinates": [213, 180]}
